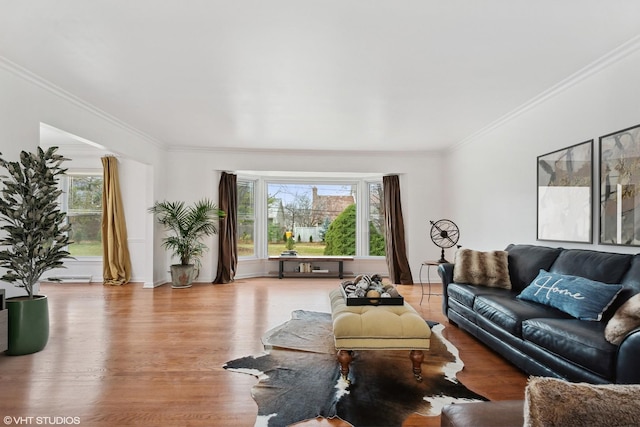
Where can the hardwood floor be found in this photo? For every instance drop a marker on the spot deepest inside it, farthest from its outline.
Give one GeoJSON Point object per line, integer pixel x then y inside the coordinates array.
{"type": "Point", "coordinates": [130, 356]}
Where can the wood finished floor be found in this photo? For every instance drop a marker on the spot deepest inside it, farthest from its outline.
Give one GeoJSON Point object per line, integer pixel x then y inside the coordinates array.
{"type": "Point", "coordinates": [124, 356]}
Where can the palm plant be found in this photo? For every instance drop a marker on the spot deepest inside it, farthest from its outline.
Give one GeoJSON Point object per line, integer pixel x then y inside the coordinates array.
{"type": "Point", "coordinates": [189, 225]}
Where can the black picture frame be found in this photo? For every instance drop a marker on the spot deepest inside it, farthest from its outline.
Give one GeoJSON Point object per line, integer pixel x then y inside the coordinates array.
{"type": "Point", "coordinates": [565, 194]}
{"type": "Point", "coordinates": [619, 177]}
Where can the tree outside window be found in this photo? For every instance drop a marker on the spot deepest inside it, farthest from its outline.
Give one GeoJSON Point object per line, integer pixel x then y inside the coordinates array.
{"type": "Point", "coordinates": [84, 211]}
{"type": "Point", "coordinates": [376, 219]}
{"type": "Point", "coordinates": [246, 218]}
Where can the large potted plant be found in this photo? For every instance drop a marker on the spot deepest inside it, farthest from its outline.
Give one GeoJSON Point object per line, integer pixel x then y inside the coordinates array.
{"type": "Point", "coordinates": [34, 239]}
{"type": "Point", "coordinates": [188, 225]}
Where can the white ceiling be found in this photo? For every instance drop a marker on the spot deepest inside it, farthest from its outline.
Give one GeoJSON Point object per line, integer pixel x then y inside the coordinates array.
{"type": "Point", "coordinates": [311, 74]}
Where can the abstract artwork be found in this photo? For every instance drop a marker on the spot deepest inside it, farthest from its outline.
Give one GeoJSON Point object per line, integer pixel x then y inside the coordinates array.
{"type": "Point", "coordinates": [620, 187]}
{"type": "Point", "coordinates": [565, 194]}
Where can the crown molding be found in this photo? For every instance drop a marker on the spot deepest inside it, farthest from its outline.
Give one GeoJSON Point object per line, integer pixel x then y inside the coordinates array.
{"type": "Point", "coordinates": [35, 79]}
{"type": "Point", "coordinates": [301, 152]}
{"type": "Point", "coordinates": [595, 67]}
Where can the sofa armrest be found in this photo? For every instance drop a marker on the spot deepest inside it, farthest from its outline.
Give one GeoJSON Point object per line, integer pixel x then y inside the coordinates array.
{"type": "Point", "coordinates": [627, 371]}
{"type": "Point", "coordinates": [445, 271]}
{"type": "Point", "coordinates": [483, 414]}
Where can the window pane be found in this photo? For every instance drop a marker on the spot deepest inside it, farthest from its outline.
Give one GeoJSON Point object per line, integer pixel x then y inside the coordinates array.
{"type": "Point", "coordinates": [376, 220]}
{"type": "Point", "coordinates": [312, 219]}
{"type": "Point", "coordinates": [246, 218]}
{"type": "Point", "coordinates": [84, 211]}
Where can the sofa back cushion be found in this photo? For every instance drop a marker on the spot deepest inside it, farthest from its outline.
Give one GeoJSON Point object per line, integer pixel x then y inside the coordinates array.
{"type": "Point", "coordinates": [631, 279]}
{"type": "Point", "coordinates": [526, 261]}
{"type": "Point", "coordinates": [603, 267]}
{"type": "Point", "coordinates": [631, 287]}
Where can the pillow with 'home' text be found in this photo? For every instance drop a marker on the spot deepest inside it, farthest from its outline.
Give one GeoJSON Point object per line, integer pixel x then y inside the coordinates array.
{"type": "Point", "coordinates": [579, 297]}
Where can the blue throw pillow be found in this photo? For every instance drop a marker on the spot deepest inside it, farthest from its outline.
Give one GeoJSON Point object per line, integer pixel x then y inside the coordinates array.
{"type": "Point", "coordinates": [581, 298]}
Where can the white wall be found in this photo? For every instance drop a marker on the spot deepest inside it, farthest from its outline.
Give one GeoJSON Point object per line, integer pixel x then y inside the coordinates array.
{"type": "Point", "coordinates": [487, 184]}
{"type": "Point", "coordinates": [491, 178]}
{"type": "Point", "coordinates": [134, 188]}
{"type": "Point", "coordinates": [27, 101]}
{"type": "Point", "coordinates": [421, 177]}
{"type": "Point", "coordinates": [149, 173]}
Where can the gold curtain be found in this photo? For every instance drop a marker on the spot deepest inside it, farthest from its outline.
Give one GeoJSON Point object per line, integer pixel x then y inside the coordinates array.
{"type": "Point", "coordinates": [396, 251]}
{"type": "Point", "coordinates": [116, 263]}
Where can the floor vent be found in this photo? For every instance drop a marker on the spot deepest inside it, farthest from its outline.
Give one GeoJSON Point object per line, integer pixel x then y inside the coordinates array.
{"type": "Point", "coordinates": [72, 279]}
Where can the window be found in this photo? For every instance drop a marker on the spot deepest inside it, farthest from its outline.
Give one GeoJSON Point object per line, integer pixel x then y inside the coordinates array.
{"type": "Point", "coordinates": [376, 219]}
{"type": "Point", "coordinates": [82, 200]}
{"type": "Point", "coordinates": [246, 217]}
{"type": "Point", "coordinates": [309, 214]}
{"type": "Point", "coordinates": [312, 218]}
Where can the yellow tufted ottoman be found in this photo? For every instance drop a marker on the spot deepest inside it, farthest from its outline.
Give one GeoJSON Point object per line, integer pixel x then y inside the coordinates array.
{"type": "Point", "coordinates": [383, 327]}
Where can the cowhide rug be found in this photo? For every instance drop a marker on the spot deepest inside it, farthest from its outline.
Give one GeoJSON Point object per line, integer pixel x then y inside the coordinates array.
{"type": "Point", "coordinates": [299, 378]}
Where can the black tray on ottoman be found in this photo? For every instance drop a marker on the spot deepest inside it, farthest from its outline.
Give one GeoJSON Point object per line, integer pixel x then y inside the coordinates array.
{"type": "Point", "coordinates": [353, 301]}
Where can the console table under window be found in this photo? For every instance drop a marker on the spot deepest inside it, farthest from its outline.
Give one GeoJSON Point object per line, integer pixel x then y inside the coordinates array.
{"type": "Point", "coordinates": [307, 266]}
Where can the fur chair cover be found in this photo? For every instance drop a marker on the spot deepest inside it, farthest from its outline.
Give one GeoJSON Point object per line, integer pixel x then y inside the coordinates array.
{"type": "Point", "coordinates": [553, 402]}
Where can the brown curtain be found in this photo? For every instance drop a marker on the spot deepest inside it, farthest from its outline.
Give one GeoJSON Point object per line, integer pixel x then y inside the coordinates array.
{"type": "Point", "coordinates": [396, 251]}
{"type": "Point", "coordinates": [227, 239]}
{"type": "Point", "coordinates": [116, 263]}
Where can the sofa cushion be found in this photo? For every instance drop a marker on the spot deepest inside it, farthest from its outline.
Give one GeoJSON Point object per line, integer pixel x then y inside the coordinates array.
{"type": "Point", "coordinates": [604, 267]}
{"type": "Point", "coordinates": [631, 283]}
{"type": "Point", "coordinates": [554, 402]}
{"type": "Point", "coordinates": [631, 278]}
{"type": "Point", "coordinates": [508, 312]}
{"type": "Point", "coordinates": [625, 320]}
{"type": "Point", "coordinates": [466, 294]}
{"type": "Point", "coordinates": [525, 261]}
{"type": "Point", "coordinates": [482, 268]}
{"type": "Point", "coordinates": [578, 341]}
{"type": "Point", "coordinates": [582, 298]}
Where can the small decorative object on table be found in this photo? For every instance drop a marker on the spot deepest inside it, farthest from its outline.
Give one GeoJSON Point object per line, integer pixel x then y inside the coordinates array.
{"type": "Point", "coordinates": [370, 290]}
{"type": "Point", "coordinates": [444, 234]}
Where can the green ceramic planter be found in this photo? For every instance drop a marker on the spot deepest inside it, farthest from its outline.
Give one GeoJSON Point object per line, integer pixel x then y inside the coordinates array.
{"type": "Point", "coordinates": [28, 324]}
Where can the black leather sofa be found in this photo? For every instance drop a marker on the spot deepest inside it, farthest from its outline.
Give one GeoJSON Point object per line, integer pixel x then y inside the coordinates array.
{"type": "Point", "coordinates": [542, 340]}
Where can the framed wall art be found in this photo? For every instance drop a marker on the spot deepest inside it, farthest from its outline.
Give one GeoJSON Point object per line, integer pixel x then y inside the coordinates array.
{"type": "Point", "coordinates": [620, 187]}
{"type": "Point", "coordinates": [565, 194]}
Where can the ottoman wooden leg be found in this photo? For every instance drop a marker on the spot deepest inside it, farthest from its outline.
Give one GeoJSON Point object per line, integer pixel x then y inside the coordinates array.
{"type": "Point", "coordinates": [345, 357]}
{"type": "Point", "coordinates": [417, 356]}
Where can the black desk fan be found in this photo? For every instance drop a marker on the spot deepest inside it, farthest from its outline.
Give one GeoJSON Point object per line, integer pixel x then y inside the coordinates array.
{"type": "Point", "coordinates": [444, 234]}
